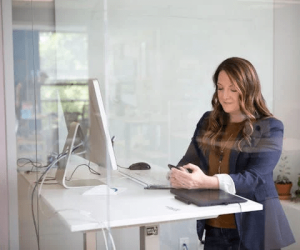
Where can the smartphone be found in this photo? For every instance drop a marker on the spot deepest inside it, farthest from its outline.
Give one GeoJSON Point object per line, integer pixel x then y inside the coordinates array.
{"type": "Point", "coordinates": [172, 166]}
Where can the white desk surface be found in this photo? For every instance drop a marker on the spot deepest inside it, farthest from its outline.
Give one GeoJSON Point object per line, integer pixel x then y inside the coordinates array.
{"type": "Point", "coordinates": [133, 207]}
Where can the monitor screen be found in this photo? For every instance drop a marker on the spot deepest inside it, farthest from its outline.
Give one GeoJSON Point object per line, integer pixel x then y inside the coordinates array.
{"type": "Point", "coordinates": [100, 145]}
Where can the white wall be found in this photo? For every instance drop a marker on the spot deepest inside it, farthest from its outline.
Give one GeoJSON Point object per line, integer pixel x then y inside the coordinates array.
{"type": "Point", "coordinates": [4, 219]}
{"type": "Point", "coordinates": [286, 97]}
{"type": "Point", "coordinates": [8, 194]}
{"type": "Point", "coordinates": [155, 62]}
{"type": "Point", "coordinates": [292, 211]}
{"type": "Point", "coordinates": [286, 82]}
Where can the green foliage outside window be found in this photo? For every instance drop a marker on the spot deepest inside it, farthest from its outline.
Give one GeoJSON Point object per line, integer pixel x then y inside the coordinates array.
{"type": "Point", "coordinates": [63, 69]}
{"type": "Point", "coordinates": [72, 97]}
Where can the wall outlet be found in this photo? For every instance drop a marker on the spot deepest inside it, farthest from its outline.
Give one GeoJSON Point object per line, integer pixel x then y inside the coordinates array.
{"type": "Point", "coordinates": [183, 242]}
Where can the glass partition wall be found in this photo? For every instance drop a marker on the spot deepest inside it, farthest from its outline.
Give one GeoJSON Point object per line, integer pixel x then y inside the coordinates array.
{"type": "Point", "coordinates": [52, 58]}
{"type": "Point", "coordinates": [154, 61]}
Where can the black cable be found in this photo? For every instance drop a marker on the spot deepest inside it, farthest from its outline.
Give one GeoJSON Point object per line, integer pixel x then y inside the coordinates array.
{"type": "Point", "coordinates": [32, 199]}
{"type": "Point", "coordinates": [48, 167]}
{"type": "Point", "coordinates": [185, 246]}
{"type": "Point", "coordinates": [49, 179]}
{"type": "Point", "coordinates": [29, 161]}
{"type": "Point", "coordinates": [52, 183]}
{"type": "Point", "coordinates": [93, 171]}
{"type": "Point", "coordinates": [122, 167]}
{"type": "Point", "coordinates": [90, 169]}
{"type": "Point", "coordinates": [32, 196]}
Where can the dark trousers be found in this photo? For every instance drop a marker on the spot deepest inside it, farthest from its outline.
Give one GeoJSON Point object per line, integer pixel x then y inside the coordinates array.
{"type": "Point", "coordinates": [222, 239]}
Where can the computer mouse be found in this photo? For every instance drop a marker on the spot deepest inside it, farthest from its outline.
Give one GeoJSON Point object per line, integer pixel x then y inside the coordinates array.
{"type": "Point", "coordinates": [139, 166]}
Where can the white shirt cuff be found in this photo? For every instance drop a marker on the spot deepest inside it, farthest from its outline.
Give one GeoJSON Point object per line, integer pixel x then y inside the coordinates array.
{"type": "Point", "coordinates": [226, 183]}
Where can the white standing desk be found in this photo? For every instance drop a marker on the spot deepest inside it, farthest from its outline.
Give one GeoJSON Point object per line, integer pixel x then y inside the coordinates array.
{"type": "Point", "coordinates": [135, 206]}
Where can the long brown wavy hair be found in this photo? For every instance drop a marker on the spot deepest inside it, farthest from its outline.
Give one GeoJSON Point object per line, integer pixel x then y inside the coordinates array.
{"type": "Point", "coordinates": [252, 104]}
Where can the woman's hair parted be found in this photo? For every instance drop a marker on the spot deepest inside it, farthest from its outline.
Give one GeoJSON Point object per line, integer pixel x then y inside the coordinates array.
{"type": "Point", "coordinates": [252, 104]}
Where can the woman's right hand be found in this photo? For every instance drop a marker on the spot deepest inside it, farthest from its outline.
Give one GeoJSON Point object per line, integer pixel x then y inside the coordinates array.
{"type": "Point", "coordinates": [196, 179]}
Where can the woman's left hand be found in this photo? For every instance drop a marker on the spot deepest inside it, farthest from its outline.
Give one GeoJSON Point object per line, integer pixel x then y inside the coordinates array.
{"type": "Point", "coordinates": [197, 179]}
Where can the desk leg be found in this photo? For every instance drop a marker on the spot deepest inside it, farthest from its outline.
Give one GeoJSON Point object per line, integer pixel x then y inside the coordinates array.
{"type": "Point", "coordinates": [149, 237]}
{"type": "Point", "coordinates": [90, 240]}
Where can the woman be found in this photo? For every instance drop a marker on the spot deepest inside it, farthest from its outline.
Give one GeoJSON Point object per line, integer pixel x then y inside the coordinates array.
{"type": "Point", "coordinates": [235, 148]}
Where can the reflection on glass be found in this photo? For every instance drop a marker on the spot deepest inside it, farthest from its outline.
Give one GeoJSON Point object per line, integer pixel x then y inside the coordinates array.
{"type": "Point", "coordinates": [154, 62]}
{"type": "Point", "coordinates": [63, 56]}
{"type": "Point", "coordinates": [57, 61]}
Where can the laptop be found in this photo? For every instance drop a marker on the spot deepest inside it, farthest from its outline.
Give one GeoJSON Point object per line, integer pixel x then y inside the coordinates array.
{"type": "Point", "coordinates": [206, 197]}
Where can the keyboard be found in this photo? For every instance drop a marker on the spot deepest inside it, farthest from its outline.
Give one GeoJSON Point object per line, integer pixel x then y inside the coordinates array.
{"type": "Point", "coordinates": [154, 178]}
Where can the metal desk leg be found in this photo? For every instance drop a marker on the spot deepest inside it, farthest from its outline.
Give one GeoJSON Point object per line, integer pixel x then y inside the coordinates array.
{"type": "Point", "coordinates": [90, 240]}
{"type": "Point", "coordinates": [149, 237]}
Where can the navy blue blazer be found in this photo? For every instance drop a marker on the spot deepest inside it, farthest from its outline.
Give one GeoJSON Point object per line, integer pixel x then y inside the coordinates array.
{"type": "Point", "coordinates": [252, 172]}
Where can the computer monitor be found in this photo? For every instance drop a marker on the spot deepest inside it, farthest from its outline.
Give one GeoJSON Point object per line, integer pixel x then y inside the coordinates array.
{"type": "Point", "coordinates": [97, 148]}
{"type": "Point", "coordinates": [100, 145]}
{"type": "Point", "coordinates": [62, 129]}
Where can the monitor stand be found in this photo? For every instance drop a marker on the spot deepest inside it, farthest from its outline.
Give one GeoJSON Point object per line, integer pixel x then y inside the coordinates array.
{"type": "Point", "coordinates": [74, 145]}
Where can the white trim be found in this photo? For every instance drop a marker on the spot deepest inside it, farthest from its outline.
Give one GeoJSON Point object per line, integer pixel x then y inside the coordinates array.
{"type": "Point", "coordinates": [4, 232]}
{"type": "Point", "coordinates": [8, 111]}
